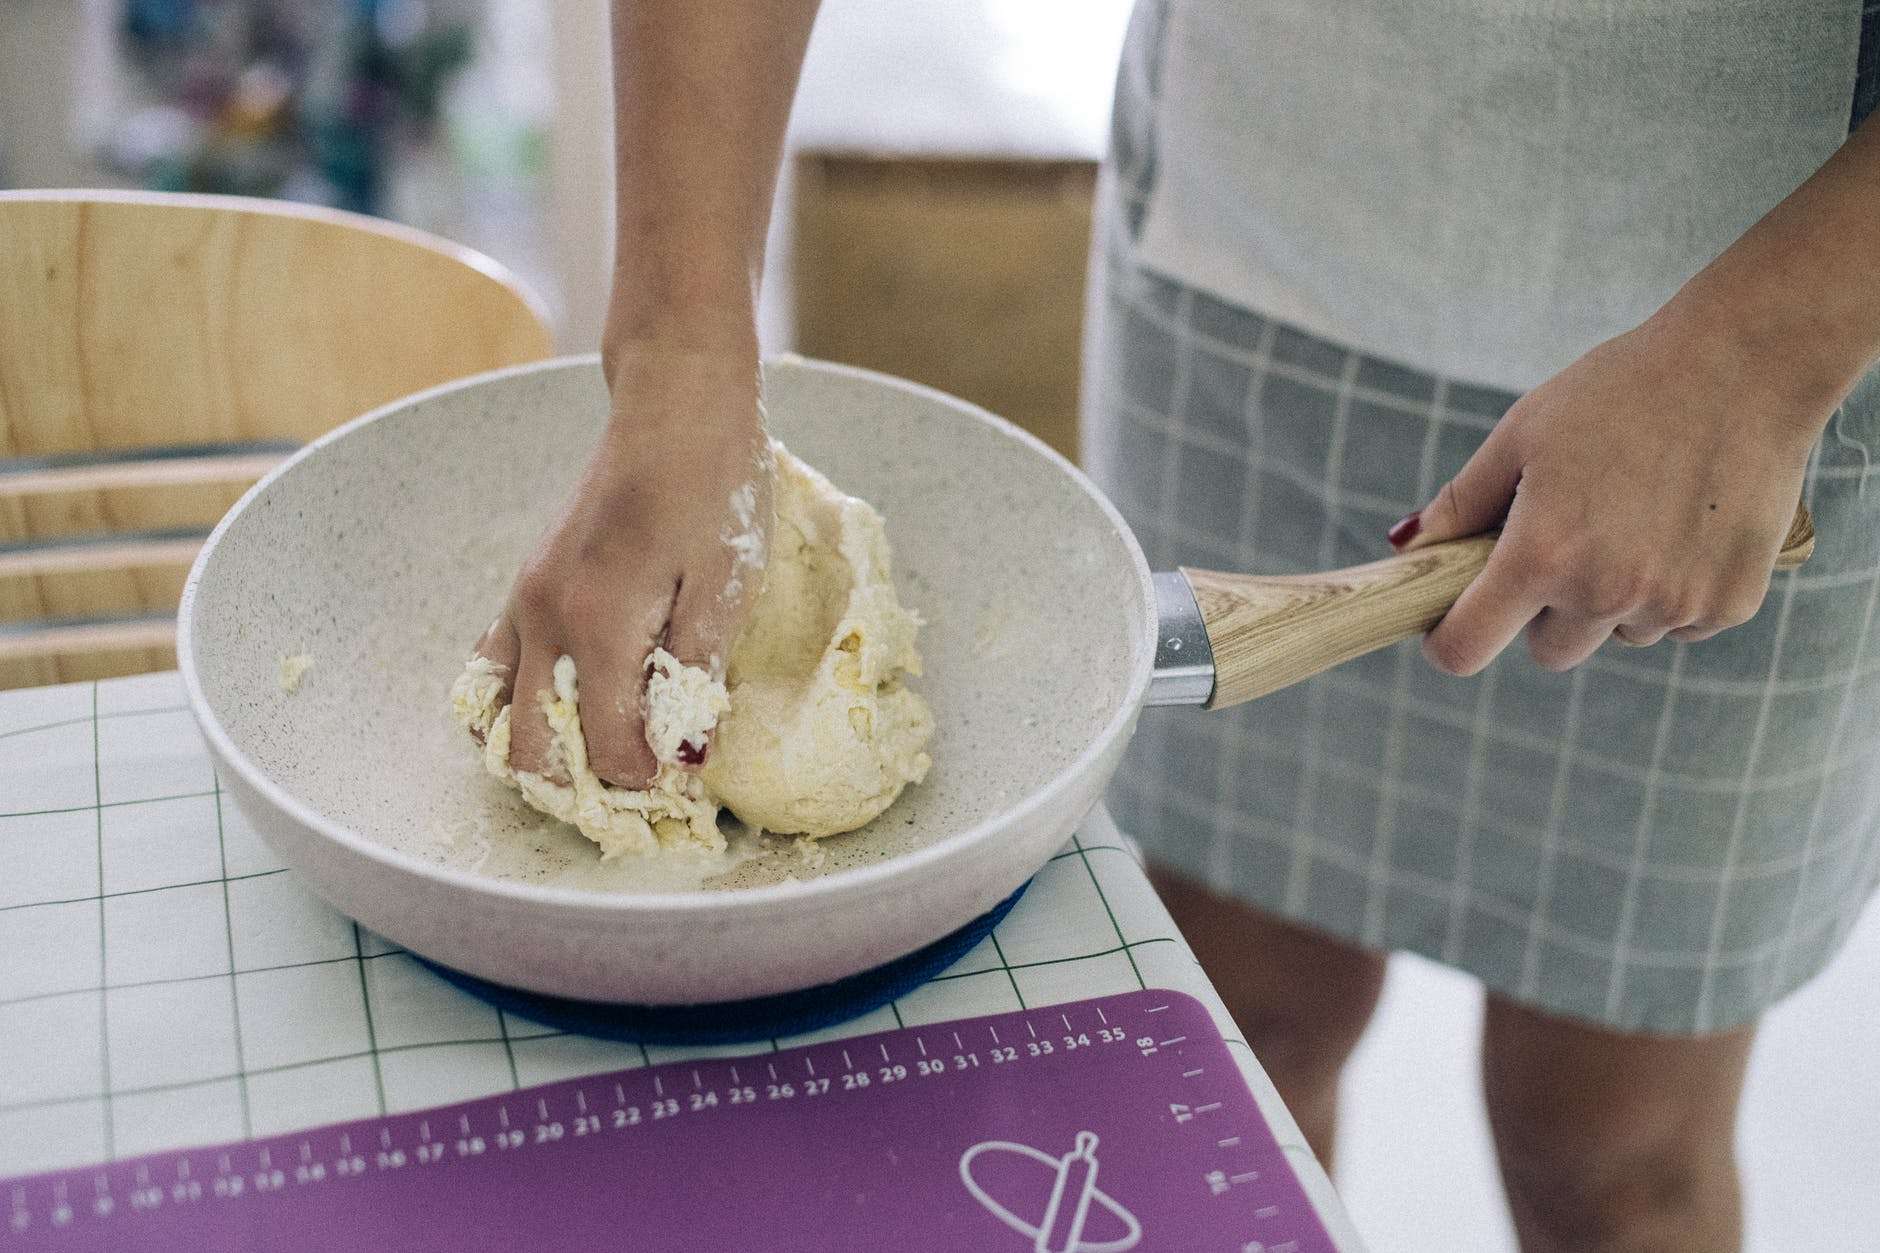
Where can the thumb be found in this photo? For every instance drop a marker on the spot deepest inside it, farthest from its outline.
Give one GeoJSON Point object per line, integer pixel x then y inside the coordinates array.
{"type": "Point", "coordinates": [1475, 500]}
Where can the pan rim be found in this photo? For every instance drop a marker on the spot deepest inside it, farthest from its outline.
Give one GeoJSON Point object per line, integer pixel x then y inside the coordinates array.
{"type": "Point", "coordinates": [862, 880]}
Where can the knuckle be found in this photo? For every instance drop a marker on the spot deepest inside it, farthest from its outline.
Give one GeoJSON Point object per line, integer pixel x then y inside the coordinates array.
{"type": "Point", "coordinates": [1711, 614]}
{"type": "Point", "coordinates": [1630, 634]}
{"type": "Point", "coordinates": [536, 595]}
{"type": "Point", "coordinates": [1741, 606]}
{"type": "Point", "coordinates": [1448, 504]}
{"type": "Point", "coordinates": [1553, 643]}
{"type": "Point", "coordinates": [1612, 588]}
{"type": "Point", "coordinates": [1611, 599]}
{"type": "Point", "coordinates": [1548, 655]}
{"type": "Point", "coordinates": [1542, 563]}
{"type": "Point", "coordinates": [589, 603]}
{"type": "Point", "coordinates": [1449, 652]}
{"type": "Point", "coordinates": [700, 638]}
{"type": "Point", "coordinates": [1637, 585]}
{"type": "Point", "coordinates": [1678, 609]}
{"type": "Point", "coordinates": [1663, 603]}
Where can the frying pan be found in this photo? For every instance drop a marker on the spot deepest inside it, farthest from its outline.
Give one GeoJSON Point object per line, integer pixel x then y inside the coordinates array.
{"type": "Point", "coordinates": [382, 549]}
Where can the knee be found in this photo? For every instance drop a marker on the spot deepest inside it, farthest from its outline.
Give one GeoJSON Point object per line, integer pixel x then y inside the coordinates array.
{"type": "Point", "coordinates": [1302, 997]}
{"type": "Point", "coordinates": [1311, 1039]}
{"type": "Point", "coordinates": [1583, 1186]}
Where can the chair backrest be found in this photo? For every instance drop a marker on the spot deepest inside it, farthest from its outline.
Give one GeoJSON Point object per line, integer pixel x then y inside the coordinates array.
{"type": "Point", "coordinates": [158, 353]}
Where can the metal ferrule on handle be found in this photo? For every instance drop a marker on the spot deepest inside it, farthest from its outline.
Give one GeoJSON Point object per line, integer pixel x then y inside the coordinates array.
{"type": "Point", "coordinates": [1184, 659]}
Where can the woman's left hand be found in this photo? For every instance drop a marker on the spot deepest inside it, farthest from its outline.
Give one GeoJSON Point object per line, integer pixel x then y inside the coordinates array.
{"type": "Point", "coordinates": [1643, 491]}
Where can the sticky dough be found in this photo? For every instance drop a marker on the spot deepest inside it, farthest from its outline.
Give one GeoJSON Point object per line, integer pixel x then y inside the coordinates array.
{"type": "Point", "coordinates": [816, 731]}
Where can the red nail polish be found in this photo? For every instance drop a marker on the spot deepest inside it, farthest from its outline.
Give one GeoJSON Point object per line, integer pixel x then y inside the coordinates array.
{"type": "Point", "coordinates": [1405, 530]}
{"type": "Point", "coordinates": [691, 754]}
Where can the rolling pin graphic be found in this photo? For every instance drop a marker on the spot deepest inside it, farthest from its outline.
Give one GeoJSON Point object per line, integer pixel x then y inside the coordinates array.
{"type": "Point", "coordinates": [1067, 1211]}
{"type": "Point", "coordinates": [1061, 1230]}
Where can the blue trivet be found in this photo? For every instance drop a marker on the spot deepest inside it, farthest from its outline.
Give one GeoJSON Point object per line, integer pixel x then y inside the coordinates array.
{"type": "Point", "coordinates": [737, 1022]}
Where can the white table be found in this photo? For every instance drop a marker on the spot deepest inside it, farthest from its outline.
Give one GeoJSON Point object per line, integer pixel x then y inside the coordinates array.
{"type": "Point", "coordinates": [166, 982]}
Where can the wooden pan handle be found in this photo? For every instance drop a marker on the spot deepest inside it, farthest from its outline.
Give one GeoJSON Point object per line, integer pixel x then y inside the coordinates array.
{"type": "Point", "coordinates": [1273, 631]}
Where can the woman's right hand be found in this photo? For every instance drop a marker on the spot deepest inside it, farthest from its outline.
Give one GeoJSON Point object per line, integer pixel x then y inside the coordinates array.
{"type": "Point", "coordinates": [642, 555]}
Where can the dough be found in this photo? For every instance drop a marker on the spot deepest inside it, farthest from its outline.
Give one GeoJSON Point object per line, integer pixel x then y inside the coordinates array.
{"type": "Point", "coordinates": [816, 731]}
{"type": "Point", "coordinates": [673, 813]}
{"type": "Point", "coordinates": [822, 734]}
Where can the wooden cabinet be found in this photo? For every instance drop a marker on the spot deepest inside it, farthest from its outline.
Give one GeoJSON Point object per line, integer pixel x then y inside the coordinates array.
{"type": "Point", "coordinates": [963, 273]}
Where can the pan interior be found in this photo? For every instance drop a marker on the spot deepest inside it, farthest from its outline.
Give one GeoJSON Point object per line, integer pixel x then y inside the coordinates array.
{"type": "Point", "coordinates": [386, 551]}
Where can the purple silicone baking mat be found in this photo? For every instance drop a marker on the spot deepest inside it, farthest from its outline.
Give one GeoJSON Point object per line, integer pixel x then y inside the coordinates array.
{"type": "Point", "coordinates": [1097, 1127]}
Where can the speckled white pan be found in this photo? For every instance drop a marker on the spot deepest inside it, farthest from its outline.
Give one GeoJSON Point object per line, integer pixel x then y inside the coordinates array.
{"type": "Point", "coordinates": [384, 549]}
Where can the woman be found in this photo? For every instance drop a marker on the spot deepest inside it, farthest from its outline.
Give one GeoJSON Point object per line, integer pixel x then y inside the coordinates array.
{"type": "Point", "coordinates": [1598, 274]}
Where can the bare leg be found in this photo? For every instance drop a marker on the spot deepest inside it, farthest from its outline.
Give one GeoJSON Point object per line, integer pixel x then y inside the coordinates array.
{"type": "Point", "coordinates": [1615, 1142]}
{"type": "Point", "coordinates": [1301, 997]}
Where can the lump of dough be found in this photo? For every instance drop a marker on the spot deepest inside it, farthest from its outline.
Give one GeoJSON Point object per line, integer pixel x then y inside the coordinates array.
{"type": "Point", "coordinates": [674, 813]}
{"type": "Point", "coordinates": [683, 704]}
{"type": "Point", "coordinates": [822, 734]}
{"type": "Point", "coordinates": [816, 731]}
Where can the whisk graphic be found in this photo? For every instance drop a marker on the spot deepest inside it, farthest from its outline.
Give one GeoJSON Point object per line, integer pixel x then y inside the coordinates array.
{"type": "Point", "coordinates": [1073, 1191]}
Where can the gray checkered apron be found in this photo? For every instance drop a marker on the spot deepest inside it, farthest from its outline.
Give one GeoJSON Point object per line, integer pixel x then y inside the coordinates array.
{"type": "Point", "coordinates": [1668, 839]}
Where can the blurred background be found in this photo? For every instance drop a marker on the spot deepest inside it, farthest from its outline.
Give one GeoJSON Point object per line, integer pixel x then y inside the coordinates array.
{"type": "Point", "coordinates": [933, 222]}
{"type": "Point", "coordinates": [935, 209]}
{"type": "Point", "coordinates": [430, 112]}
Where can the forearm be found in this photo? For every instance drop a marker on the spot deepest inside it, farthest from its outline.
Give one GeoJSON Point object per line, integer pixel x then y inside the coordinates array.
{"type": "Point", "coordinates": [702, 95]}
{"type": "Point", "coordinates": [1799, 293]}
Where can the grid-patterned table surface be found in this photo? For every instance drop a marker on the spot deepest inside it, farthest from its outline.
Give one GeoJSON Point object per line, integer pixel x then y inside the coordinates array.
{"type": "Point", "coordinates": [165, 981]}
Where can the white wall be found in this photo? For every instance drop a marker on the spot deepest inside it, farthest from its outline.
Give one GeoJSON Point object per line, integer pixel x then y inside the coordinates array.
{"type": "Point", "coordinates": [45, 46]}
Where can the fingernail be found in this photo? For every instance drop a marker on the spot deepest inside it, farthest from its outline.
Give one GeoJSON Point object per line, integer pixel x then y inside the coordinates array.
{"type": "Point", "coordinates": [1405, 530]}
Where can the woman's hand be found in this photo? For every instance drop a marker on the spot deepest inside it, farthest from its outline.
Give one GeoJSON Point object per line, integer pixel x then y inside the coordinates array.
{"type": "Point", "coordinates": [1643, 491]}
{"type": "Point", "coordinates": [643, 554]}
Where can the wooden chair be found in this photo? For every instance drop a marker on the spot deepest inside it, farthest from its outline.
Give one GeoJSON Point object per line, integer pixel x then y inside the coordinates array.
{"type": "Point", "coordinates": [158, 353]}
